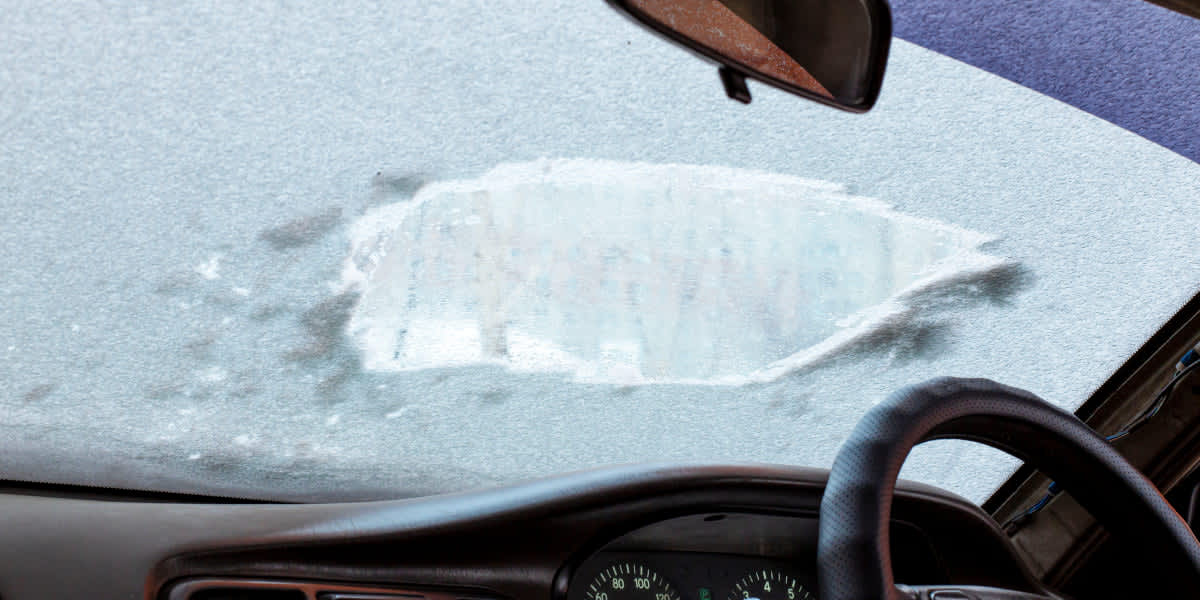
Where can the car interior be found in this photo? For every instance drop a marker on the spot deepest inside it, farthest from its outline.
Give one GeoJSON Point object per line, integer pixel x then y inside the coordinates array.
{"type": "Point", "coordinates": [1105, 505]}
{"type": "Point", "coordinates": [679, 530]}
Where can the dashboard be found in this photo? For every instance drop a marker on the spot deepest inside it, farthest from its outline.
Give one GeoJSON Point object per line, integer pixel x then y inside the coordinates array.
{"type": "Point", "coordinates": [640, 532]}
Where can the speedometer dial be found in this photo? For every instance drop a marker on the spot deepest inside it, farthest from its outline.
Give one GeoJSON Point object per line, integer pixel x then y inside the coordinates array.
{"type": "Point", "coordinates": [630, 581]}
{"type": "Point", "coordinates": [769, 584]}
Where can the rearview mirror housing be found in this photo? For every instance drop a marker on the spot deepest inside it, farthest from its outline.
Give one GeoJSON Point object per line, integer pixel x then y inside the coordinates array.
{"type": "Point", "coordinates": [830, 51]}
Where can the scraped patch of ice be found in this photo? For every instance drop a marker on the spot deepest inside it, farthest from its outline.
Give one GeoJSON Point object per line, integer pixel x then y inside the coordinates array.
{"type": "Point", "coordinates": [638, 273]}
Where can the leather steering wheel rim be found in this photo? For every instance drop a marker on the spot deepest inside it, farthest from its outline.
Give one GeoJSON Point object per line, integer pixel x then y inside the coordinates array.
{"type": "Point", "coordinates": [853, 554]}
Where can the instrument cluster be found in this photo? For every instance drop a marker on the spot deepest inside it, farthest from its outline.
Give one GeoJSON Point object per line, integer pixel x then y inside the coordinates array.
{"type": "Point", "coordinates": [725, 556]}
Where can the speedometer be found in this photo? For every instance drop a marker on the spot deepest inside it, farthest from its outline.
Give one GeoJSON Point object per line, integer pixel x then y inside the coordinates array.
{"type": "Point", "coordinates": [630, 581]}
{"type": "Point", "coordinates": [768, 584]}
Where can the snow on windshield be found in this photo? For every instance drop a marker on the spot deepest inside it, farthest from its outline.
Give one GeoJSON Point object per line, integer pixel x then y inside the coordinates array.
{"type": "Point", "coordinates": [184, 187]}
{"type": "Point", "coordinates": [634, 273]}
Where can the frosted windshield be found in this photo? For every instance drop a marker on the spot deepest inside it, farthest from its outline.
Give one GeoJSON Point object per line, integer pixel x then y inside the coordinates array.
{"type": "Point", "coordinates": [336, 252]}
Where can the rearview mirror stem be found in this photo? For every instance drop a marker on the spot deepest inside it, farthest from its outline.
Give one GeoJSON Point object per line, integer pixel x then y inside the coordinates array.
{"type": "Point", "coordinates": [735, 84]}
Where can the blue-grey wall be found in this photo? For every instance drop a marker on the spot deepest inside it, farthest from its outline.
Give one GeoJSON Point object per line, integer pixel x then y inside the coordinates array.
{"type": "Point", "coordinates": [1148, 70]}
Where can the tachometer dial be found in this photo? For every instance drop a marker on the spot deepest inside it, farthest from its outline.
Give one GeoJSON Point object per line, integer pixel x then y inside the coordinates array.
{"type": "Point", "coordinates": [630, 581]}
{"type": "Point", "coordinates": [769, 584]}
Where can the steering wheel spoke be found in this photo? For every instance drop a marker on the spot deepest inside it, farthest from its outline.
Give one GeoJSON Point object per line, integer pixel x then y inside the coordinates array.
{"type": "Point", "coordinates": [965, 592]}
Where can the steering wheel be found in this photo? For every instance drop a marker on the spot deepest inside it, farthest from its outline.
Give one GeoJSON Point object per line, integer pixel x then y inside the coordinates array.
{"type": "Point", "coordinates": [853, 555]}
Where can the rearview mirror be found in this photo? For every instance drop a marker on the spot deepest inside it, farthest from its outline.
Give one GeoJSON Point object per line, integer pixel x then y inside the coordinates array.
{"type": "Point", "coordinates": [830, 51]}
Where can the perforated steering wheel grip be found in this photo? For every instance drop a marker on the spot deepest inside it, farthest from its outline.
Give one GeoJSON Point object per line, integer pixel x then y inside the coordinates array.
{"type": "Point", "coordinates": [853, 552]}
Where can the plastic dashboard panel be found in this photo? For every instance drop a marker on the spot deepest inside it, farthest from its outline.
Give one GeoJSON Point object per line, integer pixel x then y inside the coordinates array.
{"type": "Point", "coordinates": [519, 542]}
{"type": "Point", "coordinates": [236, 589]}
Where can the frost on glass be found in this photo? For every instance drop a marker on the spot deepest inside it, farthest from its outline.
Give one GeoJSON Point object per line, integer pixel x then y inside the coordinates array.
{"type": "Point", "coordinates": [634, 273]}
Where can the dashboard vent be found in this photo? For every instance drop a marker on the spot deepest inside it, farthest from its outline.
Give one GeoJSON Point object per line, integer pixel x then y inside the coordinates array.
{"type": "Point", "coordinates": [248, 594]}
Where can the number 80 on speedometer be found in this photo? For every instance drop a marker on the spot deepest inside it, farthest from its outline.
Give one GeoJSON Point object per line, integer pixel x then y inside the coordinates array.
{"type": "Point", "coordinates": [630, 581]}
